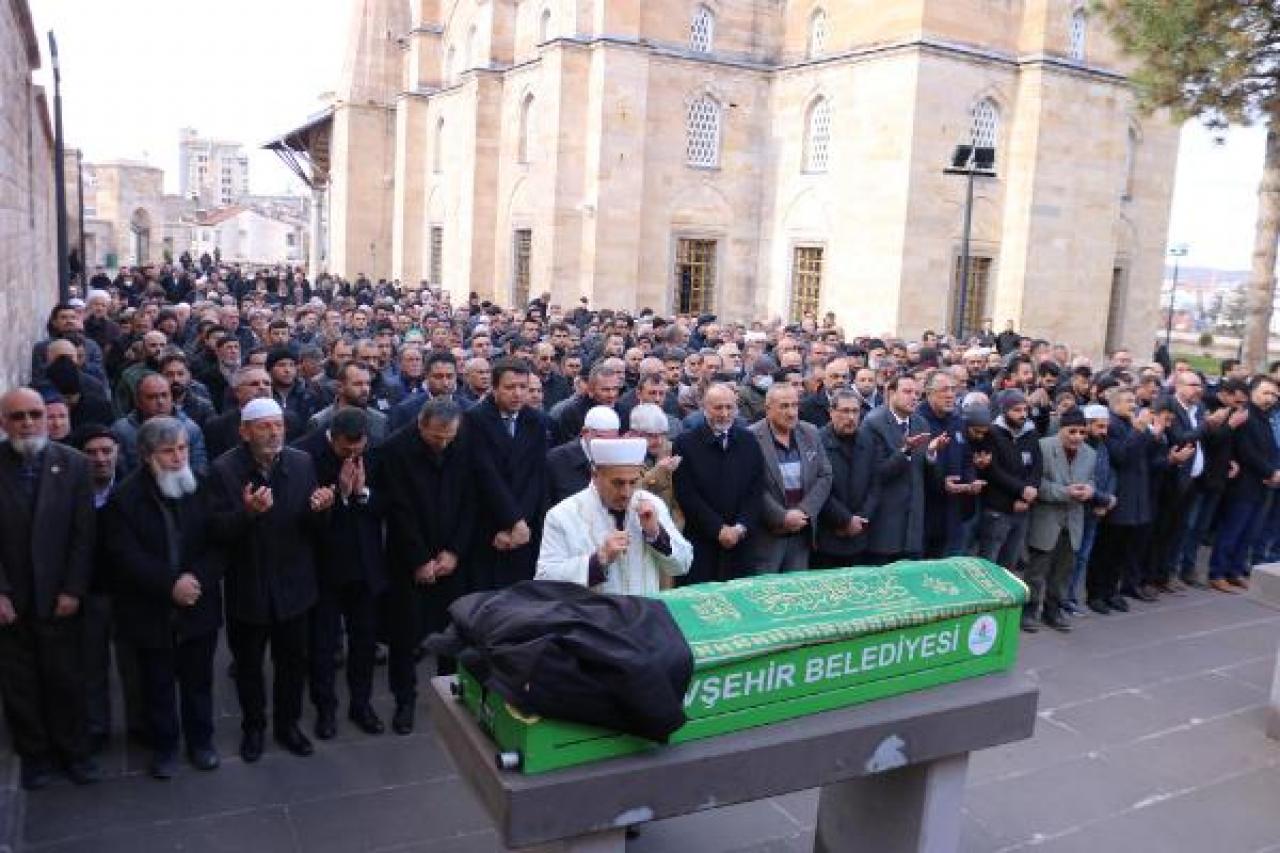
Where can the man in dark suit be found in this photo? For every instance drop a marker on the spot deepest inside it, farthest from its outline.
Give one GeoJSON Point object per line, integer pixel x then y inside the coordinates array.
{"type": "Point", "coordinates": [840, 535]}
{"type": "Point", "coordinates": [1192, 431]}
{"type": "Point", "coordinates": [166, 577]}
{"type": "Point", "coordinates": [46, 563]}
{"type": "Point", "coordinates": [351, 571]}
{"type": "Point", "coordinates": [268, 511]}
{"type": "Point", "coordinates": [1258, 457]}
{"type": "Point", "coordinates": [604, 386]}
{"type": "Point", "coordinates": [568, 468]}
{"type": "Point", "coordinates": [796, 484]}
{"type": "Point", "coordinates": [508, 449]}
{"type": "Point", "coordinates": [718, 486]}
{"type": "Point", "coordinates": [896, 442]}
{"type": "Point", "coordinates": [815, 408]}
{"type": "Point", "coordinates": [429, 500]}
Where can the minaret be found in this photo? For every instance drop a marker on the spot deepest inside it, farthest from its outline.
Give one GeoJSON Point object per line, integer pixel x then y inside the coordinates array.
{"type": "Point", "coordinates": [363, 147]}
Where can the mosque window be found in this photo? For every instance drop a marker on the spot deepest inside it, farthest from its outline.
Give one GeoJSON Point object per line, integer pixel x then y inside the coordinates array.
{"type": "Point", "coordinates": [526, 128]}
{"type": "Point", "coordinates": [544, 27]}
{"type": "Point", "coordinates": [437, 148]}
{"type": "Point", "coordinates": [1079, 29]}
{"type": "Point", "coordinates": [702, 147]}
{"type": "Point", "coordinates": [702, 31]}
{"type": "Point", "coordinates": [818, 136]}
{"type": "Point", "coordinates": [817, 33]}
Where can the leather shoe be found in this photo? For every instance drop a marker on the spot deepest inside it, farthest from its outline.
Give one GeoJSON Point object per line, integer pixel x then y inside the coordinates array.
{"type": "Point", "coordinates": [326, 724]}
{"type": "Point", "coordinates": [251, 745]}
{"type": "Point", "coordinates": [36, 774]}
{"type": "Point", "coordinates": [1241, 583]}
{"type": "Point", "coordinates": [164, 765]}
{"type": "Point", "coordinates": [1222, 586]}
{"type": "Point", "coordinates": [402, 721]}
{"type": "Point", "coordinates": [1138, 593]}
{"type": "Point", "coordinates": [295, 741]}
{"type": "Point", "coordinates": [1053, 619]}
{"type": "Point", "coordinates": [206, 758]}
{"type": "Point", "coordinates": [1028, 624]}
{"type": "Point", "coordinates": [84, 772]}
{"type": "Point", "coordinates": [1117, 602]}
{"type": "Point", "coordinates": [1099, 606]}
{"type": "Point", "coordinates": [366, 720]}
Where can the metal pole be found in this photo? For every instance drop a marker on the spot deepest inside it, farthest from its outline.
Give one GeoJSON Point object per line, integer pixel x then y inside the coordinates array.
{"type": "Point", "coordinates": [84, 260]}
{"type": "Point", "coordinates": [1173, 292]}
{"type": "Point", "coordinates": [59, 174]}
{"type": "Point", "coordinates": [964, 250]}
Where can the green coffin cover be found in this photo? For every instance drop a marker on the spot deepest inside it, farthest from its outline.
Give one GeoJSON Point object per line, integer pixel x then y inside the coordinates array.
{"type": "Point", "coordinates": [750, 617]}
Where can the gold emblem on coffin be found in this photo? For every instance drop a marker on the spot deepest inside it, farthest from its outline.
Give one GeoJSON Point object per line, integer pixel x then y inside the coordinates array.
{"type": "Point", "coordinates": [826, 594]}
{"type": "Point", "coordinates": [715, 610]}
{"type": "Point", "coordinates": [938, 586]}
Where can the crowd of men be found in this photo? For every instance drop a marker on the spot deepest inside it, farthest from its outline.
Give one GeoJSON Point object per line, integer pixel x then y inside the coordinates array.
{"type": "Point", "coordinates": [321, 470]}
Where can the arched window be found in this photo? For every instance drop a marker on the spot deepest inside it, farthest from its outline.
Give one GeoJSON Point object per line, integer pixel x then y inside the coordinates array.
{"type": "Point", "coordinates": [469, 57]}
{"type": "Point", "coordinates": [817, 33]}
{"type": "Point", "coordinates": [984, 124]}
{"type": "Point", "coordinates": [526, 129]}
{"type": "Point", "coordinates": [1130, 162]}
{"type": "Point", "coordinates": [437, 148]}
{"type": "Point", "coordinates": [817, 136]}
{"type": "Point", "coordinates": [1079, 29]}
{"type": "Point", "coordinates": [450, 59]}
{"type": "Point", "coordinates": [702, 31]}
{"type": "Point", "coordinates": [702, 146]}
{"type": "Point", "coordinates": [544, 27]}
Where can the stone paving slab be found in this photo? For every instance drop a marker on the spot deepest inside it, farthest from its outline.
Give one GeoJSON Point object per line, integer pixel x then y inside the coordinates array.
{"type": "Point", "coordinates": [1149, 738]}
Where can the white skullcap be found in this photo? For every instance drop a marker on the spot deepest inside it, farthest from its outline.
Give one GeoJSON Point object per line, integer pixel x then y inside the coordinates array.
{"type": "Point", "coordinates": [1096, 413]}
{"type": "Point", "coordinates": [755, 337]}
{"type": "Point", "coordinates": [75, 302]}
{"type": "Point", "coordinates": [977, 352]}
{"type": "Point", "coordinates": [601, 418]}
{"type": "Point", "coordinates": [259, 408]}
{"type": "Point", "coordinates": [617, 451]}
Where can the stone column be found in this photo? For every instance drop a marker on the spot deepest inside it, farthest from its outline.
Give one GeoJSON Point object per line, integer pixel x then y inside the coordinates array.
{"type": "Point", "coordinates": [315, 253]}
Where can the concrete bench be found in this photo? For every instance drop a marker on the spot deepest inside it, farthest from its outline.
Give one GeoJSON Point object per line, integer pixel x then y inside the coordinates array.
{"type": "Point", "coordinates": [892, 772]}
{"type": "Point", "coordinates": [1264, 588]}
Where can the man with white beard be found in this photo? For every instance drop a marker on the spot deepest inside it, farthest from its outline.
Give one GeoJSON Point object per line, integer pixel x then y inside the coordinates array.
{"type": "Point", "coordinates": [166, 577]}
{"type": "Point", "coordinates": [46, 564]}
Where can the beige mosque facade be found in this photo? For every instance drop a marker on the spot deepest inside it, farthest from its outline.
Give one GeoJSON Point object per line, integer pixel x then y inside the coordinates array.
{"type": "Point", "coordinates": [756, 159]}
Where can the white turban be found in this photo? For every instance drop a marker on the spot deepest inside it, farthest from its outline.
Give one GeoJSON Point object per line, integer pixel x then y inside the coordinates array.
{"type": "Point", "coordinates": [602, 419]}
{"type": "Point", "coordinates": [259, 408]}
{"type": "Point", "coordinates": [617, 451]}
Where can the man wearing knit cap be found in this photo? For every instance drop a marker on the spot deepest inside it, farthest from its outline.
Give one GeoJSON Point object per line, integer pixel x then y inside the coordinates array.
{"type": "Point", "coordinates": [1057, 520]}
{"type": "Point", "coordinates": [568, 467]}
{"type": "Point", "coordinates": [1013, 482]}
{"type": "Point", "coordinates": [267, 512]}
{"type": "Point", "coordinates": [613, 536]}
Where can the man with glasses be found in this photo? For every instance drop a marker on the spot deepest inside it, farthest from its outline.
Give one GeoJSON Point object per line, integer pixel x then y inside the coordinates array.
{"type": "Point", "coordinates": [46, 564]}
{"type": "Point", "coordinates": [1181, 497]}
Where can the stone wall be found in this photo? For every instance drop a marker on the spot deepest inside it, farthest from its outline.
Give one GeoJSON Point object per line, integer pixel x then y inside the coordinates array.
{"type": "Point", "coordinates": [28, 249]}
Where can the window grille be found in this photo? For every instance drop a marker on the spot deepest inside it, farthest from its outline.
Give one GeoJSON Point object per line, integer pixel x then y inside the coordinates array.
{"type": "Point", "coordinates": [702, 30]}
{"type": "Point", "coordinates": [702, 130]}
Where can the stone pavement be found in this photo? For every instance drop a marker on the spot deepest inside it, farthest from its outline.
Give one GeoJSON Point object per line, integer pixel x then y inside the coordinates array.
{"type": "Point", "coordinates": [1149, 739]}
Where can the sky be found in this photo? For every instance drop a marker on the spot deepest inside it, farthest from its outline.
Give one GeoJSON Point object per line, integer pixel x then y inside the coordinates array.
{"type": "Point", "coordinates": [135, 71]}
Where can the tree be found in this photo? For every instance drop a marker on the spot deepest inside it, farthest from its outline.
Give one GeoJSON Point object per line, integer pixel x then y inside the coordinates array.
{"type": "Point", "coordinates": [1217, 61]}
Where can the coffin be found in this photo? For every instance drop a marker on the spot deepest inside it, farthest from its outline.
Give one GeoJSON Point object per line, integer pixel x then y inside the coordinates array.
{"type": "Point", "coordinates": [776, 647]}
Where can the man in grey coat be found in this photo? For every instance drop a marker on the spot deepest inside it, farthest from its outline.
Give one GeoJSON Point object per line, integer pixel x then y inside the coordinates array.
{"type": "Point", "coordinates": [796, 484]}
{"type": "Point", "coordinates": [1067, 485]}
